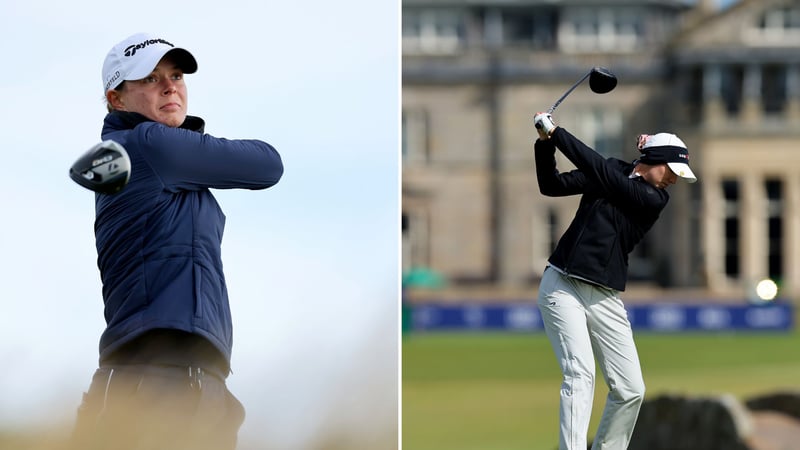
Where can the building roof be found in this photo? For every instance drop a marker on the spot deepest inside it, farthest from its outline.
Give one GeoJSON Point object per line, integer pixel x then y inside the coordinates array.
{"type": "Point", "coordinates": [709, 37]}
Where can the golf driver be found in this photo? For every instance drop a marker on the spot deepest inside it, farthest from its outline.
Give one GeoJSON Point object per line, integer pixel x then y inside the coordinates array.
{"type": "Point", "coordinates": [104, 168]}
{"type": "Point", "coordinates": [601, 80]}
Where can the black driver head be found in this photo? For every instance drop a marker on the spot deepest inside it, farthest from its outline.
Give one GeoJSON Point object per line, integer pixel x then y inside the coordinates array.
{"type": "Point", "coordinates": [104, 168]}
{"type": "Point", "coordinates": [601, 80]}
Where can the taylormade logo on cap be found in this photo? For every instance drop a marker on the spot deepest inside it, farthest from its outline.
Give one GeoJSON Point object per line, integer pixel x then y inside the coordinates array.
{"type": "Point", "coordinates": [131, 50]}
{"type": "Point", "coordinates": [136, 56]}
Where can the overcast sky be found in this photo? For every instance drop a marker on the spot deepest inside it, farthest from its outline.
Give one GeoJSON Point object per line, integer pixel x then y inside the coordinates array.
{"type": "Point", "coordinates": [311, 264]}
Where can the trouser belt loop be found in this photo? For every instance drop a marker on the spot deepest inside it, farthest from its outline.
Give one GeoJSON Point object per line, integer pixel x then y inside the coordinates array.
{"type": "Point", "coordinates": [196, 378]}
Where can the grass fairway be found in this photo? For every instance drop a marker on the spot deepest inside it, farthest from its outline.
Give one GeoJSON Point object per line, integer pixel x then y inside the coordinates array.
{"type": "Point", "coordinates": [485, 391]}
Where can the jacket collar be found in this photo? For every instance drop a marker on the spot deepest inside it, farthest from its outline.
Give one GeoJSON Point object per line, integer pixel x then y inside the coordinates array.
{"type": "Point", "coordinates": [124, 120]}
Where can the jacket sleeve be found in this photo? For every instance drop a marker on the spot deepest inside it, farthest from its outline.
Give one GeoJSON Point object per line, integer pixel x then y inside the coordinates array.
{"type": "Point", "coordinates": [613, 183]}
{"type": "Point", "coordinates": [551, 182]}
{"type": "Point", "coordinates": [189, 160]}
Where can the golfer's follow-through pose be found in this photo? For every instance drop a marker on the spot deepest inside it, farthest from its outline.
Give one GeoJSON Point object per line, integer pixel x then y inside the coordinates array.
{"type": "Point", "coordinates": [165, 353]}
{"type": "Point", "coordinates": [579, 298]}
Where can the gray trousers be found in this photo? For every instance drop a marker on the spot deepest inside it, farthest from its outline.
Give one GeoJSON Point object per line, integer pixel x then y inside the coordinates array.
{"type": "Point", "coordinates": [584, 321]}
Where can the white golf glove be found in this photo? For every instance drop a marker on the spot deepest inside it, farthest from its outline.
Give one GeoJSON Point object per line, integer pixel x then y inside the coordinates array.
{"type": "Point", "coordinates": [544, 125]}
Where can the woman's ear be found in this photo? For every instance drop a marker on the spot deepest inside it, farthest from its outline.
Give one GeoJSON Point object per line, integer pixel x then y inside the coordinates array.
{"type": "Point", "coordinates": [115, 100]}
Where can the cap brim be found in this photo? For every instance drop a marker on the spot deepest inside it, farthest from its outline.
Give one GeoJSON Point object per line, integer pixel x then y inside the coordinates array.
{"type": "Point", "coordinates": [682, 170]}
{"type": "Point", "coordinates": [183, 59]}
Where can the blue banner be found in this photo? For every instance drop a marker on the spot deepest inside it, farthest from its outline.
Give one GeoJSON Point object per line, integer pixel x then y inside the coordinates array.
{"type": "Point", "coordinates": [774, 316]}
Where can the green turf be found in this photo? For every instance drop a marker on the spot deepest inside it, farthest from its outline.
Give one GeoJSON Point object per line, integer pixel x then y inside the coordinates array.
{"type": "Point", "coordinates": [500, 390]}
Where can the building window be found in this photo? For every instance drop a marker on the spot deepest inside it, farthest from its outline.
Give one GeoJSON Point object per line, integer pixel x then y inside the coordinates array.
{"type": "Point", "coordinates": [730, 189]}
{"type": "Point", "coordinates": [695, 227]}
{"type": "Point", "coordinates": [433, 30]}
{"type": "Point", "coordinates": [607, 29]}
{"type": "Point", "coordinates": [773, 88]}
{"type": "Point", "coordinates": [774, 188]}
{"type": "Point", "coordinates": [693, 93]}
{"type": "Point", "coordinates": [601, 129]}
{"type": "Point", "coordinates": [524, 27]}
{"type": "Point", "coordinates": [732, 82]}
{"type": "Point", "coordinates": [414, 240]}
{"type": "Point", "coordinates": [414, 135]}
{"type": "Point", "coordinates": [552, 229]}
{"type": "Point", "coordinates": [545, 233]}
{"type": "Point", "coordinates": [780, 20]}
{"type": "Point", "coordinates": [777, 26]}
{"type": "Point", "coordinates": [406, 242]}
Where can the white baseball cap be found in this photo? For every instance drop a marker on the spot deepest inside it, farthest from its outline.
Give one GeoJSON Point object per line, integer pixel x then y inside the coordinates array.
{"type": "Point", "coordinates": [666, 148]}
{"type": "Point", "coordinates": [136, 56]}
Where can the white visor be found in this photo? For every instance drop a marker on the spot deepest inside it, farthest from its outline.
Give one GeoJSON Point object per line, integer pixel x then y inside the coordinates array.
{"type": "Point", "coordinates": [682, 170]}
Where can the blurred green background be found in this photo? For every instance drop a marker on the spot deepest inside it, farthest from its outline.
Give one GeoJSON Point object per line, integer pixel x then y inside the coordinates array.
{"type": "Point", "coordinates": [479, 391]}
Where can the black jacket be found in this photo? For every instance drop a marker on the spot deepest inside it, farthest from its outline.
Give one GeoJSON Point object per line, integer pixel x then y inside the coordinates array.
{"type": "Point", "coordinates": [614, 214]}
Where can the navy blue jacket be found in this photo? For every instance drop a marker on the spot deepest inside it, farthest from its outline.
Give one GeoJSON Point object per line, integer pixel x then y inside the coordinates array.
{"type": "Point", "coordinates": [614, 214]}
{"type": "Point", "coordinates": [158, 240]}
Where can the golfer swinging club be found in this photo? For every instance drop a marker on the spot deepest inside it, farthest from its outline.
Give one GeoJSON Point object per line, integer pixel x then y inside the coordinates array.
{"type": "Point", "coordinates": [579, 297]}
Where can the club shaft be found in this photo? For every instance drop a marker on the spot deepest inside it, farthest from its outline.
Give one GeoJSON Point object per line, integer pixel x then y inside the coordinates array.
{"type": "Point", "coordinates": [558, 102]}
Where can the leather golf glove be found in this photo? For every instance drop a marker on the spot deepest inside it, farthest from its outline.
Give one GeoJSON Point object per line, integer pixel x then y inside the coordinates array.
{"type": "Point", "coordinates": [544, 125]}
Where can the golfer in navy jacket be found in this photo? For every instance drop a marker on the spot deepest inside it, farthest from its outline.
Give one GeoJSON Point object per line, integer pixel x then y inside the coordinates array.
{"type": "Point", "coordinates": [166, 350]}
{"type": "Point", "coordinates": [579, 300]}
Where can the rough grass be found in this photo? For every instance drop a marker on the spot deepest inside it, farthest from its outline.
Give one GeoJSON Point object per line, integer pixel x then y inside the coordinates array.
{"type": "Point", "coordinates": [29, 439]}
{"type": "Point", "coordinates": [500, 391]}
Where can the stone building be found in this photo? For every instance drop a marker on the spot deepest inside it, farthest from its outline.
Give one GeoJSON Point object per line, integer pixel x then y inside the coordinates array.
{"type": "Point", "coordinates": [726, 81]}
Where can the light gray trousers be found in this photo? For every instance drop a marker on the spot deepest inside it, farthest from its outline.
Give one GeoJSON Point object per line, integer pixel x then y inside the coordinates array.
{"type": "Point", "coordinates": [582, 321]}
